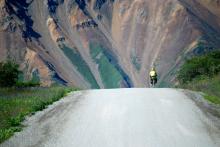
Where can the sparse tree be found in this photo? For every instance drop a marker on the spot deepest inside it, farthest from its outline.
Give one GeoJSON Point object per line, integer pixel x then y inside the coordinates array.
{"type": "Point", "coordinates": [9, 72]}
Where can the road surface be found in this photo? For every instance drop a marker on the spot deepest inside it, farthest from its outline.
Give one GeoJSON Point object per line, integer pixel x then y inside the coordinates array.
{"type": "Point", "coordinates": [119, 118]}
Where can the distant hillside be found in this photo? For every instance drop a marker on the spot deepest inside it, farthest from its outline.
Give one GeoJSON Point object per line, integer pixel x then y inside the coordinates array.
{"type": "Point", "coordinates": [106, 43]}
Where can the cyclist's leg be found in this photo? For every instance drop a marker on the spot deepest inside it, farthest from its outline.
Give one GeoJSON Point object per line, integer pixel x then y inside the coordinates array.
{"type": "Point", "coordinates": [151, 80]}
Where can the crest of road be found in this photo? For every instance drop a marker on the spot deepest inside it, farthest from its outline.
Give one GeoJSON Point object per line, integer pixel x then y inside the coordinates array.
{"type": "Point", "coordinates": [120, 118]}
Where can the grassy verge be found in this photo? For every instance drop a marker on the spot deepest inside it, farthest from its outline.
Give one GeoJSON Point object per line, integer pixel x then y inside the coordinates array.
{"type": "Point", "coordinates": [15, 104]}
{"type": "Point", "coordinates": [210, 86]}
{"type": "Point", "coordinates": [213, 99]}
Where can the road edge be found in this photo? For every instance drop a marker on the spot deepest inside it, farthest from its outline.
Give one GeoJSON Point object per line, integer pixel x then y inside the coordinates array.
{"type": "Point", "coordinates": [212, 111]}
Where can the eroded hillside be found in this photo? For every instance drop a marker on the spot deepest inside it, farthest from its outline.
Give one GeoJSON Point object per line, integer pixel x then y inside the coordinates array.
{"type": "Point", "coordinates": [106, 43]}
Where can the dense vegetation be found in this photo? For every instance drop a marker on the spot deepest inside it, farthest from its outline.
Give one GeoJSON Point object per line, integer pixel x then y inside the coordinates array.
{"type": "Point", "coordinates": [15, 104]}
{"type": "Point", "coordinates": [199, 67]}
{"type": "Point", "coordinates": [8, 73]}
{"type": "Point", "coordinates": [202, 73]}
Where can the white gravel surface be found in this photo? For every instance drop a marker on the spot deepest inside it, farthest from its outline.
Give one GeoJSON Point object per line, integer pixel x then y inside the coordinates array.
{"type": "Point", "coordinates": [119, 118]}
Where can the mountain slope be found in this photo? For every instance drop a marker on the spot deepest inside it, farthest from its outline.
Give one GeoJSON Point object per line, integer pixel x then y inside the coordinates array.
{"type": "Point", "coordinates": [107, 43]}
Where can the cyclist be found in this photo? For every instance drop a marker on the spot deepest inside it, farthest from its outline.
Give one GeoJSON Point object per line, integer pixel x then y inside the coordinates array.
{"type": "Point", "coordinates": [153, 76]}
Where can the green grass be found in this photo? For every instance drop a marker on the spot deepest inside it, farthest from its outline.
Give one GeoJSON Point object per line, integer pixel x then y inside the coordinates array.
{"type": "Point", "coordinates": [81, 65]}
{"type": "Point", "coordinates": [27, 84]}
{"type": "Point", "coordinates": [213, 99]}
{"type": "Point", "coordinates": [15, 104]}
{"type": "Point", "coordinates": [109, 74]}
{"type": "Point", "coordinates": [209, 86]}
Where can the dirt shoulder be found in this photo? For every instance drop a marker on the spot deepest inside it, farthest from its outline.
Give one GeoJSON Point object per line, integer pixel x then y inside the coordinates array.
{"type": "Point", "coordinates": [211, 110]}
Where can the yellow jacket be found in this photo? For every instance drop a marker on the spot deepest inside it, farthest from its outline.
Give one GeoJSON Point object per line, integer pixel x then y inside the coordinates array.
{"type": "Point", "coordinates": [153, 73]}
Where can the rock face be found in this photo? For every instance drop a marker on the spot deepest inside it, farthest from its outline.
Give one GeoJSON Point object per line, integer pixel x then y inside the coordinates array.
{"type": "Point", "coordinates": [106, 43]}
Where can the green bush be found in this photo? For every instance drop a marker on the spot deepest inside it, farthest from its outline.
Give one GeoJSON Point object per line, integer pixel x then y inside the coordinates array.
{"type": "Point", "coordinates": [199, 67]}
{"type": "Point", "coordinates": [8, 73]}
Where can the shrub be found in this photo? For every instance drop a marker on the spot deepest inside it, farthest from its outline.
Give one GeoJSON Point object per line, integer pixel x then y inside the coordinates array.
{"type": "Point", "coordinates": [8, 73]}
{"type": "Point", "coordinates": [201, 66]}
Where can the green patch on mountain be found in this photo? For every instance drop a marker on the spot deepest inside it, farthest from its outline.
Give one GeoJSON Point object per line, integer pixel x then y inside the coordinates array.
{"type": "Point", "coordinates": [77, 60]}
{"type": "Point", "coordinates": [109, 74]}
{"type": "Point", "coordinates": [202, 47]}
{"type": "Point", "coordinates": [35, 77]}
{"type": "Point", "coordinates": [136, 62]}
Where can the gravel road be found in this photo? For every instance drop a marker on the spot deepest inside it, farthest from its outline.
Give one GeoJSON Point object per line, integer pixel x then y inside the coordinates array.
{"type": "Point", "coordinates": [119, 118]}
